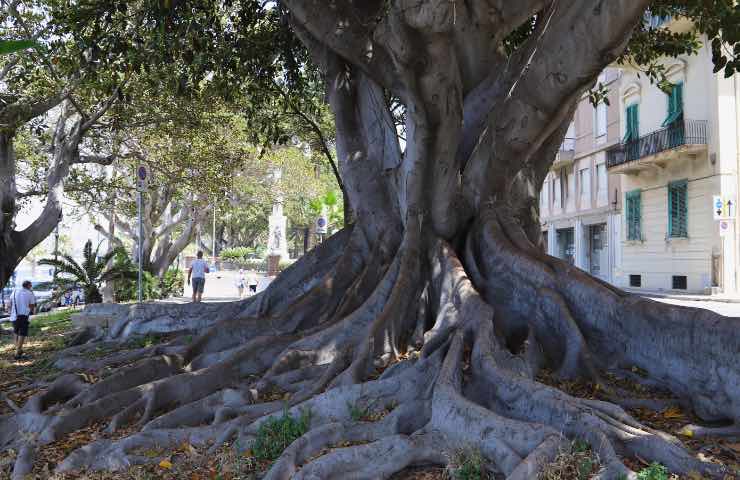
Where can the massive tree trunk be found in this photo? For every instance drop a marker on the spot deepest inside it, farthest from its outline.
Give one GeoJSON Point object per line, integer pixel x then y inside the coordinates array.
{"type": "Point", "coordinates": [439, 280]}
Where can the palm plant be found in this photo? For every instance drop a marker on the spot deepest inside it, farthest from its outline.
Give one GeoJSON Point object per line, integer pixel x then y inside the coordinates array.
{"type": "Point", "coordinates": [89, 275]}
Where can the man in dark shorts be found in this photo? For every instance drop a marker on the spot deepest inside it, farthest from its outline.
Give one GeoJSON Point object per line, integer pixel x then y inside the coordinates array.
{"type": "Point", "coordinates": [23, 305]}
{"type": "Point", "coordinates": [198, 271]}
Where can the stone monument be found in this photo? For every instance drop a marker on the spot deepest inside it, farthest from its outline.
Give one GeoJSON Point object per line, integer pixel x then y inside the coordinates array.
{"type": "Point", "coordinates": [277, 242]}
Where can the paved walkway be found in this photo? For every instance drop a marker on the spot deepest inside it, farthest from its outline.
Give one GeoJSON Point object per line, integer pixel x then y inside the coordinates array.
{"type": "Point", "coordinates": [220, 287]}
{"type": "Point", "coordinates": [728, 309]}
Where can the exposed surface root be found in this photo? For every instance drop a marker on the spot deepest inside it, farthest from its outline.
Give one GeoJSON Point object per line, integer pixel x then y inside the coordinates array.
{"type": "Point", "coordinates": [399, 364]}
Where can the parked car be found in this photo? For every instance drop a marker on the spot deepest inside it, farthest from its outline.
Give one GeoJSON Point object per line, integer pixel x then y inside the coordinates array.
{"type": "Point", "coordinates": [44, 293]}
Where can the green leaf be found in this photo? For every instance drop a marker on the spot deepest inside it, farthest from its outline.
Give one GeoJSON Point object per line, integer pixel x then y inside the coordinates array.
{"type": "Point", "coordinates": [11, 46]}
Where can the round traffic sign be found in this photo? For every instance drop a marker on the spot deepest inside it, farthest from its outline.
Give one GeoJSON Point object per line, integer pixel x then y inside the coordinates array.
{"type": "Point", "coordinates": [141, 172]}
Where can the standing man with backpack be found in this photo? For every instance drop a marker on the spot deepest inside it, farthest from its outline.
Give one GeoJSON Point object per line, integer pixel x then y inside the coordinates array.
{"type": "Point", "coordinates": [23, 305]}
{"type": "Point", "coordinates": [198, 271]}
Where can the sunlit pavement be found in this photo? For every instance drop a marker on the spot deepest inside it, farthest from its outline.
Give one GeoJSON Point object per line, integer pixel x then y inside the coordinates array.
{"type": "Point", "coordinates": [723, 308]}
{"type": "Point", "coordinates": [220, 287]}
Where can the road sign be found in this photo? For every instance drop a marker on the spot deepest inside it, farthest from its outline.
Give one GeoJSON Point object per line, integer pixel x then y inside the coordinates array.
{"type": "Point", "coordinates": [321, 224]}
{"type": "Point", "coordinates": [142, 178]}
{"type": "Point", "coordinates": [723, 207]}
{"type": "Point", "coordinates": [724, 227]}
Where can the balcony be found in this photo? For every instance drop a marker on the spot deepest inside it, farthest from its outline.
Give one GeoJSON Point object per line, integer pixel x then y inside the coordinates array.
{"type": "Point", "coordinates": [656, 148]}
{"type": "Point", "coordinates": [565, 154]}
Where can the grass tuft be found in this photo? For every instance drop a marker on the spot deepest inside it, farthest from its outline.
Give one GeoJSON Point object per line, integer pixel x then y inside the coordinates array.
{"type": "Point", "coordinates": [577, 462]}
{"type": "Point", "coordinates": [467, 464]}
{"type": "Point", "coordinates": [276, 433]}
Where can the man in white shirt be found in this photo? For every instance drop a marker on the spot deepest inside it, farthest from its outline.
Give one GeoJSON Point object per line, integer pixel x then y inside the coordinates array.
{"type": "Point", "coordinates": [23, 304]}
{"type": "Point", "coordinates": [198, 271]}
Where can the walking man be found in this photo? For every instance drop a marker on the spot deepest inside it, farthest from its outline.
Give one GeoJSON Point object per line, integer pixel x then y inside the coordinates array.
{"type": "Point", "coordinates": [23, 305]}
{"type": "Point", "coordinates": [198, 271]}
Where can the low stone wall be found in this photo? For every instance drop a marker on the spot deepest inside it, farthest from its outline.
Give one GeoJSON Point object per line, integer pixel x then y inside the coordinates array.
{"type": "Point", "coordinates": [102, 315]}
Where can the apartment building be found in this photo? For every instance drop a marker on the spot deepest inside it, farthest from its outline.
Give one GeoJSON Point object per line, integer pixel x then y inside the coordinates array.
{"type": "Point", "coordinates": [579, 201]}
{"type": "Point", "coordinates": [677, 150]}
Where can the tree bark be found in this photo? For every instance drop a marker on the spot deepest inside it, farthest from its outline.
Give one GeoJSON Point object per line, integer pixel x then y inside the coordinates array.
{"type": "Point", "coordinates": [435, 310]}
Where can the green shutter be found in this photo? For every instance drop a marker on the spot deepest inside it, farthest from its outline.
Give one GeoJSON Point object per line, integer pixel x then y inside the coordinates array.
{"type": "Point", "coordinates": [678, 209]}
{"type": "Point", "coordinates": [632, 208]}
{"type": "Point", "coordinates": [630, 130]}
{"type": "Point", "coordinates": [675, 105]}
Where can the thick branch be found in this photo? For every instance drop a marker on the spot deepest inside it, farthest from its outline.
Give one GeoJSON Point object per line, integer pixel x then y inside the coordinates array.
{"type": "Point", "coordinates": [347, 30]}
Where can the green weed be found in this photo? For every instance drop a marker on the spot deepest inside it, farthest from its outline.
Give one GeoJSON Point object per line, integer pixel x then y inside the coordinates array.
{"type": "Point", "coordinates": [358, 412]}
{"type": "Point", "coordinates": [468, 464]}
{"type": "Point", "coordinates": [574, 463]}
{"type": "Point", "coordinates": [655, 471]}
{"type": "Point", "coordinates": [276, 433]}
{"type": "Point", "coordinates": [146, 341]}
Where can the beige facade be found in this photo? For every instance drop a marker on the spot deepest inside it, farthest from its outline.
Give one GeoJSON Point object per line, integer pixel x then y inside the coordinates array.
{"type": "Point", "coordinates": [679, 247]}
{"type": "Point", "coordinates": [579, 201]}
{"type": "Point", "coordinates": [639, 212]}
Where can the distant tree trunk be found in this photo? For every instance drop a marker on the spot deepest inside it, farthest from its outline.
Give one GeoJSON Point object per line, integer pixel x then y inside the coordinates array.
{"type": "Point", "coordinates": [15, 244]}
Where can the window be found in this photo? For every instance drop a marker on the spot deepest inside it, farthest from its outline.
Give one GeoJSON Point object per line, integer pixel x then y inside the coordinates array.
{"type": "Point", "coordinates": [679, 282]}
{"type": "Point", "coordinates": [678, 209]}
{"type": "Point", "coordinates": [632, 207]}
{"type": "Point", "coordinates": [545, 195]}
{"type": "Point", "coordinates": [601, 178]}
{"type": "Point", "coordinates": [632, 124]}
{"type": "Point", "coordinates": [635, 280]}
{"type": "Point", "coordinates": [569, 186]}
{"type": "Point", "coordinates": [585, 180]}
{"type": "Point", "coordinates": [563, 186]}
{"type": "Point", "coordinates": [674, 118]}
{"type": "Point", "coordinates": [675, 105]}
{"type": "Point", "coordinates": [600, 120]}
{"type": "Point", "coordinates": [632, 132]}
{"type": "Point", "coordinates": [566, 245]}
{"type": "Point", "coordinates": [557, 190]}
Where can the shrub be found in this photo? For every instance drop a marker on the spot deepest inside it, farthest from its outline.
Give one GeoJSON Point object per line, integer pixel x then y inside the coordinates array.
{"type": "Point", "coordinates": [285, 263]}
{"type": "Point", "coordinates": [236, 254]}
{"type": "Point", "coordinates": [153, 288]}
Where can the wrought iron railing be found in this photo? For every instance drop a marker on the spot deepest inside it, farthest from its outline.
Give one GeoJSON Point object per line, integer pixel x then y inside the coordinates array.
{"type": "Point", "coordinates": [681, 132]}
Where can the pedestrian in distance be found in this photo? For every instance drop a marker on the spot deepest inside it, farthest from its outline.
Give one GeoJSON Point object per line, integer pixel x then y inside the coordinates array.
{"type": "Point", "coordinates": [241, 282]}
{"type": "Point", "coordinates": [252, 283]}
{"type": "Point", "coordinates": [22, 307]}
{"type": "Point", "coordinates": [198, 271]}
